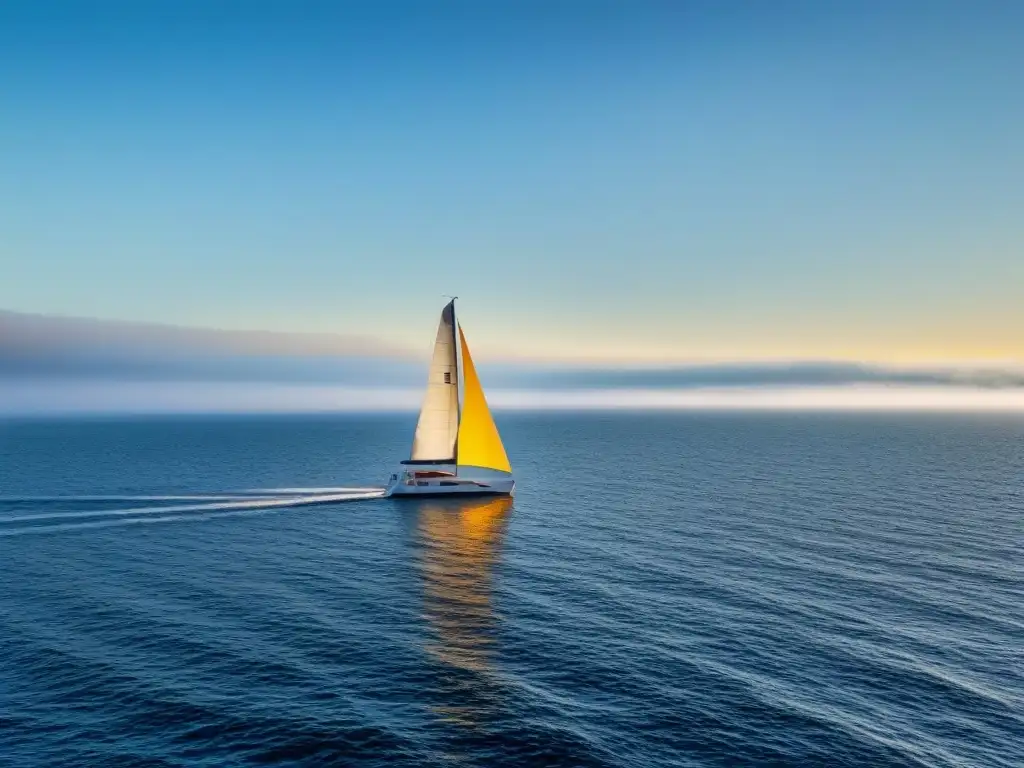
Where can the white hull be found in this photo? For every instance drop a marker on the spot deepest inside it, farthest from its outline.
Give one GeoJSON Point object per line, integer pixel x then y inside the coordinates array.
{"type": "Point", "coordinates": [450, 486]}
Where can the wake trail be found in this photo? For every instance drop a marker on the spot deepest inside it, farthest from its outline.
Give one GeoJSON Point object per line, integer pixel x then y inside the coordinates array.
{"type": "Point", "coordinates": [267, 491]}
{"type": "Point", "coordinates": [63, 527]}
{"type": "Point", "coordinates": [237, 504]}
{"type": "Point", "coordinates": [134, 497]}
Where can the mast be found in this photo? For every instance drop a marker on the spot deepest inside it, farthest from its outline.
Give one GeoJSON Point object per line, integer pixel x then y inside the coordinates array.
{"type": "Point", "coordinates": [458, 385]}
{"type": "Point", "coordinates": [458, 366]}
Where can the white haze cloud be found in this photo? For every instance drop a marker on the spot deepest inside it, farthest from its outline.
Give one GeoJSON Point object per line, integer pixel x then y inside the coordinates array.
{"type": "Point", "coordinates": [52, 365]}
{"type": "Point", "coordinates": [104, 397]}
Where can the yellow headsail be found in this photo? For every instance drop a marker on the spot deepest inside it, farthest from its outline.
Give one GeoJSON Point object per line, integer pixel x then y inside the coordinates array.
{"type": "Point", "coordinates": [479, 444]}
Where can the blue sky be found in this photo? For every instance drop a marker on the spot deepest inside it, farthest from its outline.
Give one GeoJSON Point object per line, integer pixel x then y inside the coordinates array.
{"type": "Point", "coordinates": [657, 182]}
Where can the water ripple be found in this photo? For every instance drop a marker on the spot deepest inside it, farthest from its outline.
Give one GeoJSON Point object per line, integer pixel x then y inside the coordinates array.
{"type": "Point", "coordinates": [754, 590]}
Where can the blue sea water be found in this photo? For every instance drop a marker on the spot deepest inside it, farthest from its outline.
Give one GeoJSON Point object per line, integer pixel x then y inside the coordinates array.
{"type": "Point", "coordinates": [665, 590]}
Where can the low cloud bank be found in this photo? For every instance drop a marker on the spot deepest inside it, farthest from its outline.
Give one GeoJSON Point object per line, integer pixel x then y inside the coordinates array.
{"type": "Point", "coordinates": [40, 346]}
{"type": "Point", "coordinates": [54, 365]}
{"type": "Point", "coordinates": [41, 337]}
{"type": "Point", "coordinates": [785, 374]}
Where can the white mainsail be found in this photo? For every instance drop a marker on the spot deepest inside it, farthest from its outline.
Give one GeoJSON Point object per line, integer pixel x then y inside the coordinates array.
{"type": "Point", "coordinates": [438, 425]}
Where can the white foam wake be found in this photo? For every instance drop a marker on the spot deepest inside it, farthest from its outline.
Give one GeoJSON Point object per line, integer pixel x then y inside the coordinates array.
{"type": "Point", "coordinates": [268, 491]}
{"type": "Point", "coordinates": [251, 509]}
{"type": "Point", "coordinates": [235, 504]}
{"type": "Point", "coordinates": [133, 497]}
{"type": "Point", "coordinates": [246, 495]}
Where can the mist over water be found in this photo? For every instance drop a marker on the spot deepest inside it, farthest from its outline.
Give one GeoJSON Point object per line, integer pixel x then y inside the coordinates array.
{"type": "Point", "coordinates": [54, 397]}
{"type": "Point", "coordinates": [665, 589]}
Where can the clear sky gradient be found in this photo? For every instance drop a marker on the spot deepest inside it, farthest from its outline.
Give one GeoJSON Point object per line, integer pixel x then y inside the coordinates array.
{"type": "Point", "coordinates": [619, 181]}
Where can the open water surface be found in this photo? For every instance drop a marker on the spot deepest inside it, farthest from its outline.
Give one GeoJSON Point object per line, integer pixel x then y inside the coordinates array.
{"type": "Point", "coordinates": [665, 590]}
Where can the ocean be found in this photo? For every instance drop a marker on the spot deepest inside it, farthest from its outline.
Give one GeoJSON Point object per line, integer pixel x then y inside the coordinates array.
{"type": "Point", "coordinates": [666, 589]}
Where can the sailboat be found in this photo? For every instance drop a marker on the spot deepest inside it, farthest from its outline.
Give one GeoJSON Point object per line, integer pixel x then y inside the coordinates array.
{"type": "Point", "coordinates": [456, 448]}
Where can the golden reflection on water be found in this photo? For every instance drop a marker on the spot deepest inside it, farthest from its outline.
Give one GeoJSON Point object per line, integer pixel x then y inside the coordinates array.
{"type": "Point", "coordinates": [460, 545]}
